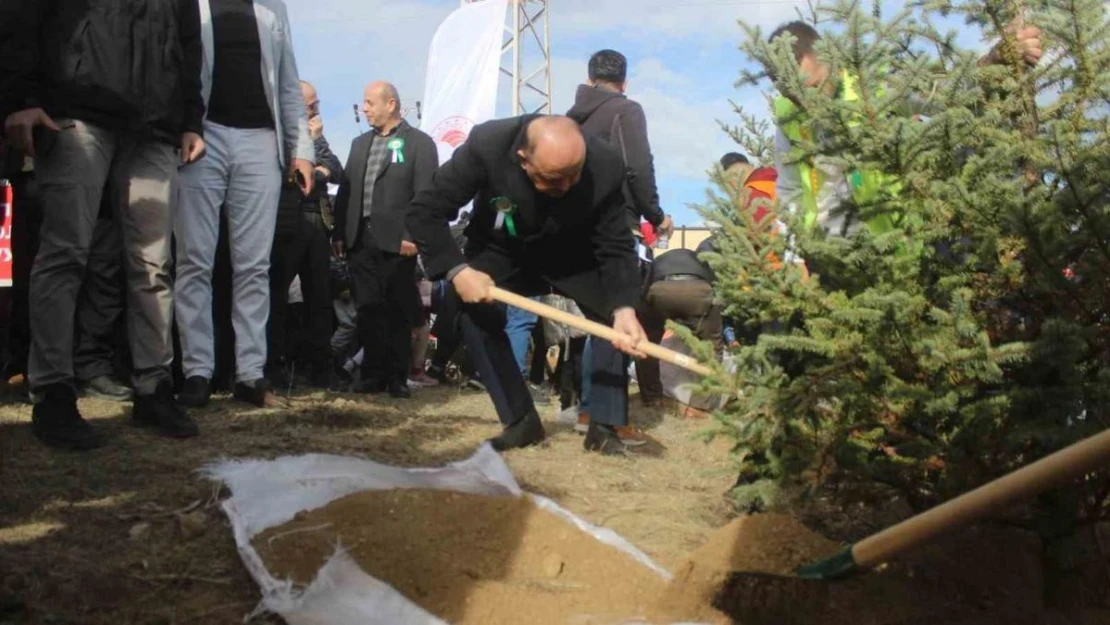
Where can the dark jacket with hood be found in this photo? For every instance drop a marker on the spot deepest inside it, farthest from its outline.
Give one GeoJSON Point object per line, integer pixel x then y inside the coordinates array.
{"type": "Point", "coordinates": [614, 118]}
{"type": "Point", "coordinates": [123, 65]}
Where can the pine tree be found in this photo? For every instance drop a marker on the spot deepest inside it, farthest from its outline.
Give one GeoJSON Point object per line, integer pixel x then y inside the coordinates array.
{"type": "Point", "coordinates": [973, 335]}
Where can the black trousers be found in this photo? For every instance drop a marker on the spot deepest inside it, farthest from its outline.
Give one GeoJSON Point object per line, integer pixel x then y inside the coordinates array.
{"type": "Point", "coordinates": [302, 249]}
{"type": "Point", "coordinates": [483, 327]}
{"type": "Point", "coordinates": [568, 373]}
{"type": "Point", "coordinates": [384, 288]}
{"type": "Point", "coordinates": [483, 330]}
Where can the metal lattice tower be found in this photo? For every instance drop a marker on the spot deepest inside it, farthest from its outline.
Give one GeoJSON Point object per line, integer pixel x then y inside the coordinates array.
{"type": "Point", "coordinates": [527, 55]}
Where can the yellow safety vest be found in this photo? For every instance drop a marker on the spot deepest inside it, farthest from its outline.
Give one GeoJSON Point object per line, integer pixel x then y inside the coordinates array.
{"type": "Point", "coordinates": [865, 185]}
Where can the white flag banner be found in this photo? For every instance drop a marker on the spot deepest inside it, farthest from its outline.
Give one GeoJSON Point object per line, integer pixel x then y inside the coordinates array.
{"type": "Point", "coordinates": [464, 64]}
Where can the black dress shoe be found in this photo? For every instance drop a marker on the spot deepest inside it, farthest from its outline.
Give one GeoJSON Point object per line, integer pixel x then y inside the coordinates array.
{"type": "Point", "coordinates": [195, 393]}
{"type": "Point", "coordinates": [104, 387]}
{"type": "Point", "coordinates": [368, 386]}
{"type": "Point", "coordinates": [399, 389]}
{"type": "Point", "coordinates": [257, 393]}
{"type": "Point", "coordinates": [604, 440]}
{"type": "Point", "coordinates": [161, 412]}
{"type": "Point", "coordinates": [524, 433]}
{"type": "Point", "coordinates": [56, 422]}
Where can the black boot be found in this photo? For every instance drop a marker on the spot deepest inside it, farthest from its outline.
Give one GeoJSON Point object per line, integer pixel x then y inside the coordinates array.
{"type": "Point", "coordinates": [195, 393]}
{"type": "Point", "coordinates": [399, 389]}
{"type": "Point", "coordinates": [162, 413]}
{"type": "Point", "coordinates": [325, 378]}
{"type": "Point", "coordinates": [524, 433]}
{"type": "Point", "coordinates": [604, 440]}
{"type": "Point", "coordinates": [57, 423]}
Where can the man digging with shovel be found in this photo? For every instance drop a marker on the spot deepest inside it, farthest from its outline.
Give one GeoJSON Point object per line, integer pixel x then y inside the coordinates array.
{"type": "Point", "coordinates": [548, 215]}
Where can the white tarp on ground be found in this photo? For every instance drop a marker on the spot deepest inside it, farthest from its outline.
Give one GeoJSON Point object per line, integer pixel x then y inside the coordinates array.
{"type": "Point", "coordinates": [269, 493]}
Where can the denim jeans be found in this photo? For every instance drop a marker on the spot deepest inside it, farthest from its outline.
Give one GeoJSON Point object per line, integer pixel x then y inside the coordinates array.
{"type": "Point", "coordinates": [518, 326]}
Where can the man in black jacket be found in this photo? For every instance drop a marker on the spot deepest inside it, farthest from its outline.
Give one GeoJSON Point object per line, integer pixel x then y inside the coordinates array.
{"type": "Point", "coordinates": [101, 93]}
{"type": "Point", "coordinates": [386, 168]}
{"type": "Point", "coordinates": [548, 214]}
{"type": "Point", "coordinates": [680, 289]}
{"type": "Point", "coordinates": [301, 248]}
{"type": "Point", "coordinates": [605, 112]}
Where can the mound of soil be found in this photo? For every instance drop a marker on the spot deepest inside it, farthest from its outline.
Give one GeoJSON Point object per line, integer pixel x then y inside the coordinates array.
{"type": "Point", "coordinates": [767, 547]}
{"type": "Point", "coordinates": [473, 559]}
{"type": "Point", "coordinates": [979, 576]}
{"type": "Point", "coordinates": [499, 560]}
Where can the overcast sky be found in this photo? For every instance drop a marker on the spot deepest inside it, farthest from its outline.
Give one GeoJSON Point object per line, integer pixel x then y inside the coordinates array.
{"type": "Point", "coordinates": [683, 56]}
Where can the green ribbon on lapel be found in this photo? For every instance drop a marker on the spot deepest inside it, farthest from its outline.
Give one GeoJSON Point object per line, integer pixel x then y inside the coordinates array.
{"type": "Point", "coordinates": [505, 210]}
{"type": "Point", "coordinates": [397, 144]}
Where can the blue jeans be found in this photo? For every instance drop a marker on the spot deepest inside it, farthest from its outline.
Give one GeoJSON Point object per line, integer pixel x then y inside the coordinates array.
{"type": "Point", "coordinates": [518, 327]}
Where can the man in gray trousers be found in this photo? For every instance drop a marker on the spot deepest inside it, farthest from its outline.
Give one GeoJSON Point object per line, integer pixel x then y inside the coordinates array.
{"type": "Point", "coordinates": [257, 133]}
{"type": "Point", "coordinates": [101, 98]}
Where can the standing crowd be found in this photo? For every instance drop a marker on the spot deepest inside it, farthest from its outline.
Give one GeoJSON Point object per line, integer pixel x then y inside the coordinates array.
{"type": "Point", "coordinates": [150, 142]}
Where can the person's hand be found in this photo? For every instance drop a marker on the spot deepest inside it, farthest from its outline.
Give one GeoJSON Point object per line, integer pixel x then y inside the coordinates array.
{"type": "Point", "coordinates": [473, 286]}
{"type": "Point", "coordinates": [337, 249]}
{"type": "Point", "coordinates": [1028, 42]}
{"type": "Point", "coordinates": [304, 168]}
{"type": "Point", "coordinates": [408, 248]}
{"type": "Point", "coordinates": [323, 171]}
{"type": "Point", "coordinates": [315, 127]}
{"type": "Point", "coordinates": [666, 228]}
{"type": "Point", "coordinates": [632, 333]}
{"type": "Point", "coordinates": [192, 147]}
{"type": "Point", "coordinates": [19, 128]}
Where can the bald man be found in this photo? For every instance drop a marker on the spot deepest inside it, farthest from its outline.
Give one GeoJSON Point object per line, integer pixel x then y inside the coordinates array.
{"type": "Point", "coordinates": [302, 248]}
{"type": "Point", "coordinates": [385, 169]}
{"type": "Point", "coordinates": [548, 216]}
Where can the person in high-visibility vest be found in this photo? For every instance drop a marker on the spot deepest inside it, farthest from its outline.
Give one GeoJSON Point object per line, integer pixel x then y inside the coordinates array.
{"type": "Point", "coordinates": [820, 189]}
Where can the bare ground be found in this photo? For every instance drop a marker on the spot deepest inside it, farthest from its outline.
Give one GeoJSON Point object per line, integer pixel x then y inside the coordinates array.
{"type": "Point", "coordinates": [130, 535]}
{"type": "Point", "coordinates": [96, 538]}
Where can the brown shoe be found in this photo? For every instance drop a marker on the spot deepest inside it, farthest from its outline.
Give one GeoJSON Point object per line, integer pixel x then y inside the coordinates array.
{"type": "Point", "coordinates": [631, 436]}
{"type": "Point", "coordinates": [694, 414]}
{"type": "Point", "coordinates": [583, 424]}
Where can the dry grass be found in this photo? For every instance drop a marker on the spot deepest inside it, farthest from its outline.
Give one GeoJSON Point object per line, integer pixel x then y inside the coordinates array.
{"type": "Point", "coordinates": [95, 538]}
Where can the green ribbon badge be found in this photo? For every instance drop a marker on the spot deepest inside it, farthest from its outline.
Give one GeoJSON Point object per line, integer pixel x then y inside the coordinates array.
{"type": "Point", "coordinates": [397, 144]}
{"type": "Point", "coordinates": [505, 209]}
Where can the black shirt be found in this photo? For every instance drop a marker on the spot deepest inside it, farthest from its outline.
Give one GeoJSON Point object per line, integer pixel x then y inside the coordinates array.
{"type": "Point", "coordinates": [238, 97]}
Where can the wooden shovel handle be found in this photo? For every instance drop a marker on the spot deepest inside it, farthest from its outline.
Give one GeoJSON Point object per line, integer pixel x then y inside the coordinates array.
{"type": "Point", "coordinates": [596, 329]}
{"type": "Point", "coordinates": [1067, 464]}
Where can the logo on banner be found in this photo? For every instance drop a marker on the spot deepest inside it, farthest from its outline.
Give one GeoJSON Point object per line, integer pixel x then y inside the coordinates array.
{"type": "Point", "coordinates": [6, 208]}
{"type": "Point", "coordinates": [452, 131]}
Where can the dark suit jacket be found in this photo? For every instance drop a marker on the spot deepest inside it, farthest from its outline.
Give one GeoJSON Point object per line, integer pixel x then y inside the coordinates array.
{"type": "Point", "coordinates": [393, 192]}
{"type": "Point", "coordinates": [579, 243]}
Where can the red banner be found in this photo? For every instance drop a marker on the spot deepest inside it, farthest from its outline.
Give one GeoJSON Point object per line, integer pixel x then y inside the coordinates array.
{"type": "Point", "coordinates": [6, 234]}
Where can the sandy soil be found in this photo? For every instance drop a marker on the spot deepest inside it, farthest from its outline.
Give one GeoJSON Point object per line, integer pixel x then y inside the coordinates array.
{"type": "Point", "coordinates": [130, 535]}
